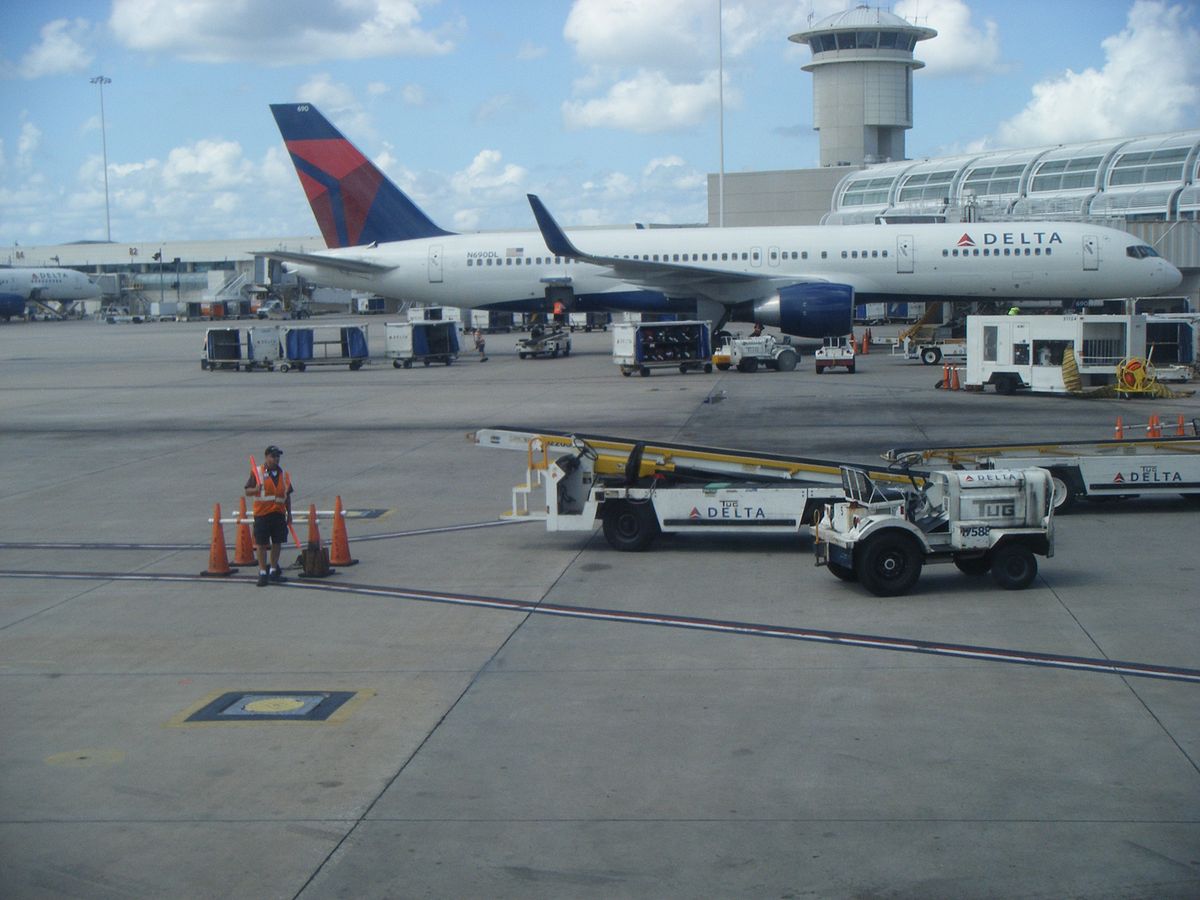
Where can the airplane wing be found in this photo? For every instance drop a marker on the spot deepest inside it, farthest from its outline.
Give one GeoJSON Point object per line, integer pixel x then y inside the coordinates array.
{"type": "Point", "coordinates": [341, 263]}
{"type": "Point", "coordinates": [672, 278]}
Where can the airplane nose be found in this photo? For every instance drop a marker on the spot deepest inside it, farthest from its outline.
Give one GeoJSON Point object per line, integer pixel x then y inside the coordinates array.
{"type": "Point", "coordinates": [1171, 275]}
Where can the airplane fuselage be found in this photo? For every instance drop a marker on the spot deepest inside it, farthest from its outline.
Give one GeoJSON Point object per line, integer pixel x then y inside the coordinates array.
{"type": "Point", "coordinates": [19, 286]}
{"type": "Point", "coordinates": [981, 260]}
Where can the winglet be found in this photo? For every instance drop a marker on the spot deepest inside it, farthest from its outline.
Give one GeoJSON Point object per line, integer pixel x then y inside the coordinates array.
{"type": "Point", "coordinates": [556, 239]}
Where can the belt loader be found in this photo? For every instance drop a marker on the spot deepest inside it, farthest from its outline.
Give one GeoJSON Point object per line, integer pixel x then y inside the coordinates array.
{"type": "Point", "coordinates": [1093, 470]}
{"type": "Point", "coordinates": [638, 490]}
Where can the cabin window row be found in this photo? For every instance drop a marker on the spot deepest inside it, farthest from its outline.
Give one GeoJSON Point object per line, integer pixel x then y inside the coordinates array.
{"type": "Point", "coordinates": [1008, 251]}
{"type": "Point", "coordinates": [518, 260]}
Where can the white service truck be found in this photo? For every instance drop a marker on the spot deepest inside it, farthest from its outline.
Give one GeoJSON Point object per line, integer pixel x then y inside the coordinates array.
{"type": "Point", "coordinates": [835, 352]}
{"type": "Point", "coordinates": [881, 537]}
{"type": "Point", "coordinates": [1027, 352]}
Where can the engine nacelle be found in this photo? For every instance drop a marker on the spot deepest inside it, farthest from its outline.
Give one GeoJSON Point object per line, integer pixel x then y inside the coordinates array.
{"type": "Point", "coordinates": [813, 310]}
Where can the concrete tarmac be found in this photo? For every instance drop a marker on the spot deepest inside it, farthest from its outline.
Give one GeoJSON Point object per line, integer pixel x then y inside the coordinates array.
{"type": "Point", "coordinates": [507, 748]}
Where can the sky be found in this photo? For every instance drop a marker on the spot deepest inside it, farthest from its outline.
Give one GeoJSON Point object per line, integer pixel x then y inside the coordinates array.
{"type": "Point", "coordinates": [607, 109]}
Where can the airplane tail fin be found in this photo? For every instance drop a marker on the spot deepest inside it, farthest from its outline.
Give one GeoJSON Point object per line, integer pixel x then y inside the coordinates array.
{"type": "Point", "coordinates": [354, 203]}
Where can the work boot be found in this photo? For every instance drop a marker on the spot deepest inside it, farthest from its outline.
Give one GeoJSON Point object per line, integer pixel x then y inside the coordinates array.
{"type": "Point", "coordinates": [277, 576]}
{"type": "Point", "coordinates": [262, 579]}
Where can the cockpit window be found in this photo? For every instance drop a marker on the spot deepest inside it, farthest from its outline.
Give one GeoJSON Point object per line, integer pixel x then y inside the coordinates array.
{"type": "Point", "coordinates": [1140, 251]}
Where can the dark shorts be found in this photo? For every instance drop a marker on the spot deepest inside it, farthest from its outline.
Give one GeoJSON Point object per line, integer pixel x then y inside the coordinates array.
{"type": "Point", "coordinates": [270, 529]}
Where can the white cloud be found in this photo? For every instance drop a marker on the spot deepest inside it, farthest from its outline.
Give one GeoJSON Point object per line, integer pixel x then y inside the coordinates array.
{"type": "Point", "coordinates": [960, 46]}
{"type": "Point", "coordinates": [646, 103]}
{"type": "Point", "coordinates": [413, 95]}
{"type": "Point", "coordinates": [27, 145]}
{"type": "Point", "coordinates": [488, 174]}
{"type": "Point", "coordinates": [310, 31]}
{"type": "Point", "coordinates": [1150, 82]}
{"type": "Point", "coordinates": [61, 50]}
{"type": "Point", "coordinates": [529, 51]}
{"type": "Point", "coordinates": [207, 165]}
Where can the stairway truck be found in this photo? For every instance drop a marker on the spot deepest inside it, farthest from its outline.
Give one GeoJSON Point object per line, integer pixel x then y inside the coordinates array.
{"type": "Point", "coordinates": [643, 346]}
{"type": "Point", "coordinates": [997, 520]}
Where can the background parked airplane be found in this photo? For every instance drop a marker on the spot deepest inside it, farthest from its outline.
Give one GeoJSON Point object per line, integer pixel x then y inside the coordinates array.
{"type": "Point", "coordinates": [20, 287]}
{"type": "Point", "coordinates": [802, 279]}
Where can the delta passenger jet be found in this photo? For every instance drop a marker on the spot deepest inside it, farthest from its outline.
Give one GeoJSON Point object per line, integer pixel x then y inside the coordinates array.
{"type": "Point", "coordinates": [804, 280]}
{"type": "Point", "coordinates": [24, 285]}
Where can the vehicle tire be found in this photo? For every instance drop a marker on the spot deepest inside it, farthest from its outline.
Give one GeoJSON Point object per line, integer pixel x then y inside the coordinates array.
{"type": "Point", "coordinates": [749, 364]}
{"type": "Point", "coordinates": [786, 361]}
{"type": "Point", "coordinates": [356, 365]}
{"type": "Point", "coordinates": [819, 370]}
{"type": "Point", "coordinates": [1066, 493]}
{"type": "Point", "coordinates": [522, 355]}
{"type": "Point", "coordinates": [724, 367]}
{"type": "Point", "coordinates": [300, 367]}
{"type": "Point", "coordinates": [630, 527]}
{"type": "Point", "coordinates": [1014, 566]}
{"type": "Point", "coordinates": [396, 364]}
{"type": "Point", "coordinates": [284, 367]}
{"type": "Point", "coordinates": [1006, 385]}
{"type": "Point", "coordinates": [708, 368]}
{"type": "Point", "coordinates": [850, 368]}
{"type": "Point", "coordinates": [644, 372]}
{"type": "Point", "coordinates": [626, 372]}
{"type": "Point", "coordinates": [931, 356]}
{"type": "Point", "coordinates": [889, 564]}
{"type": "Point", "coordinates": [973, 565]}
{"type": "Point", "coordinates": [408, 364]}
{"type": "Point", "coordinates": [846, 573]}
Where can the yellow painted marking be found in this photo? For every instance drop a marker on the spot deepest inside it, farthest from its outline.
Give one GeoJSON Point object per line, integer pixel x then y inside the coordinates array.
{"type": "Point", "coordinates": [274, 705]}
{"type": "Point", "coordinates": [84, 759]}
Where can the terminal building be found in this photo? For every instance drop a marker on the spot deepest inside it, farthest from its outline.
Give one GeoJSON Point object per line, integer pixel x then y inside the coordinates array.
{"type": "Point", "coordinates": [862, 67]}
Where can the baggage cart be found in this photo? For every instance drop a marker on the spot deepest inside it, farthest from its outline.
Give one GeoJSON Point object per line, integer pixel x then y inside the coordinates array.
{"type": "Point", "coordinates": [323, 345]}
{"type": "Point", "coordinates": [642, 346]}
{"type": "Point", "coordinates": [263, 347]}
{"type": "Point", "coordinates": [224, 348]}
{"type": "Point", "coordinates": [421, 341]}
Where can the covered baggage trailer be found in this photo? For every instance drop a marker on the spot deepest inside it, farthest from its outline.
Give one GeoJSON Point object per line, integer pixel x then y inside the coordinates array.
{"type": "Point", "coordinates": [642, 346]}
{"type": "Point", "coordinates": [423, 341]}
{"type": "Point", "coordinates": [323, 345]}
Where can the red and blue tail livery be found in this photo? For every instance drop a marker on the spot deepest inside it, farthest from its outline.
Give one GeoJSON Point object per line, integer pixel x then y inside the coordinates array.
{"type": "Point", "coordinates": [355, 204]}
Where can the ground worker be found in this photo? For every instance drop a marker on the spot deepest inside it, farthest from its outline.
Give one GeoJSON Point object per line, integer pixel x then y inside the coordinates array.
{"type": "Point", "coordinates": [271, 488]}
{"type": "Point", "coordinates": [758, 330]}
{"type": "Point", "coordinates": [480, 345]}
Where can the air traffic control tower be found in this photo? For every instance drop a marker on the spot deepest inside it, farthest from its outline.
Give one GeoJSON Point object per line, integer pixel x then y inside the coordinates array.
{"type": "Point", "coordinates": [862, 65]}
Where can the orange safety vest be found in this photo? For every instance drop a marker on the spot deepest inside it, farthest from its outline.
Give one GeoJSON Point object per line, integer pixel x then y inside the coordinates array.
{"type": "Point", "coordinates": [273, 491]}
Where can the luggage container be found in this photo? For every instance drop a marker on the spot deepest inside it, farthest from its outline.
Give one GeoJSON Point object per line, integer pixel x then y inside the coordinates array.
{"type": "Point", "coordinates": [426, 342]}
{"type": "Point", "coordinates": [263, 349]}
{"type": "Point", "coordinates": [644, 346]}
{"type": "Point", "coordinates": [323, 345]}
{"type": "Point", "coordinates": [223, 349]}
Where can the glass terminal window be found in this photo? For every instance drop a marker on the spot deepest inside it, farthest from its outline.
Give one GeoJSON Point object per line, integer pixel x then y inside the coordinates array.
{"type": "Point", "coordinates": [1149, 167]}
{"type": "Point", "coordinates": [1065, 174]}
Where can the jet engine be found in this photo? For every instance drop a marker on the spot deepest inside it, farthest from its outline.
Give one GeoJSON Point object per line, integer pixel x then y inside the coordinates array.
{"type": "Point", "coordinates": [814, 309]}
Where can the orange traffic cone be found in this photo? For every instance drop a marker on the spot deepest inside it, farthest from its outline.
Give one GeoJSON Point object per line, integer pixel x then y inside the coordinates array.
{"type": "Point", "coordinates": [243, 547]}
{"type": "Point", "coordinates": [1179, 426]}
{"type": "Point", "coordinates": [1119, 430]}
{"type": "Point", "coordinates": [866, 342]}
{"type": "Point", "coordinates": [218, 562]}
{"type": "Point", "coordinates": [954, 382]}
{"type": "Point", "coordinates": [314, 533]}
{"type": "Point", "coordinates": [945, 376]}
{"type": "Point", "coordinates": [1154, 429]}
{"type": "Point", "coordinates": [339, 550]}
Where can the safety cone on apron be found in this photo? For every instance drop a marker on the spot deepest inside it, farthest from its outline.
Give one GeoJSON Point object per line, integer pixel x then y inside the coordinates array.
{"type": "Point", "coordinates": [218, 561]}
{"type": "Point", "coordinates": [243, 546]}
{"type": "Point", "coordinates": [339, 552]}
{"type": "Point", "coordinates": [315, 558]}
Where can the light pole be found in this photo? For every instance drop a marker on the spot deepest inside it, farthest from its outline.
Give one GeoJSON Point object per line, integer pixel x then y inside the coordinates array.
{"type": "Point", "coordinates": [102, 80]}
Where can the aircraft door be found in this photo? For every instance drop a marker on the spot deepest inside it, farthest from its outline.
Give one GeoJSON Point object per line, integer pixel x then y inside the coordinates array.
{"type": "Point", "coordinates": [1091, 253]}
{"type": "Point", "coordinates": [904, 254]}
{"type": "Point", "coordinates": [435, 264]}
